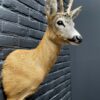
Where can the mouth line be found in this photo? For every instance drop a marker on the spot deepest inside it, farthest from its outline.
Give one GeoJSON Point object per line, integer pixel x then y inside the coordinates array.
{"type": "Point", "coordinates": [73, 41]}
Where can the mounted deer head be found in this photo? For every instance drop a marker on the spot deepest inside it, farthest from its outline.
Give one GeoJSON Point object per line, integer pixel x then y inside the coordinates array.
{"type": "Point", "coordinates": [60, 22]}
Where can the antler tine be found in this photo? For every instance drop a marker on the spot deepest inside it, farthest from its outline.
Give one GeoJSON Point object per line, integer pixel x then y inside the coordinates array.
{"type": "Point", "coordinates": [61, 6]}
{"type": "Point", "coordinates": [70, 6]}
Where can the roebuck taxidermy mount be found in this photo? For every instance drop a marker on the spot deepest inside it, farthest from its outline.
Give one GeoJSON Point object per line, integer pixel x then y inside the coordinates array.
{"type": "Point", "coordinates": [24, 70]}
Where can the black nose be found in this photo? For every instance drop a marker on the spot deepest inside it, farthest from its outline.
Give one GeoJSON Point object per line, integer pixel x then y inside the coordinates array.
{"type": "Point", "coordinates": [77, 39]}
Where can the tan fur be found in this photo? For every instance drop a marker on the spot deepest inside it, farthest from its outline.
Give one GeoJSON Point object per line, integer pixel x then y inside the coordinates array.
{"type": "Point", "coordinates": [24, 70]}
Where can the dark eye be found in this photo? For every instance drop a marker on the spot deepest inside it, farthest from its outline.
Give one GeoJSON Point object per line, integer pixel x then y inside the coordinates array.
{"type": "Point", "coordinates": [60, 23]}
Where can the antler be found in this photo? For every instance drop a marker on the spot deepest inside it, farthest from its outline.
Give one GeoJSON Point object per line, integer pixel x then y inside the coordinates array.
{"type": "Point", "coordinates": [61, 6]}
{"type": "Point", "coordinates": [69, 6]}
{"type": "Point", "coordinates": [51, 7]}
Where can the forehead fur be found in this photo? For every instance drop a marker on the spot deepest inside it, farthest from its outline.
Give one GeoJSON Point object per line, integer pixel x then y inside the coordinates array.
{"type": "Point", "coordinates": [59, 15]}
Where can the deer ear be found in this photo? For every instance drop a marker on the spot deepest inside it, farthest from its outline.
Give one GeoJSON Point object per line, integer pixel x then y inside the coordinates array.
{"type": "Point", "coordinates": [75, 12]}
{"type": "Point", "coordinates": [50, 7]}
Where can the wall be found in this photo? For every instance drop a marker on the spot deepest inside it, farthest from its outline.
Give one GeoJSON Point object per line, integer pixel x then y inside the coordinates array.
{"type": "Point", "coordinates": [22, 24]}
{"type": "Point", "coordinates": [86, 57]}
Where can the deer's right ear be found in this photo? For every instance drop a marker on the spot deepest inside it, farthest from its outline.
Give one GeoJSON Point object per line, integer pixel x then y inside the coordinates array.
{"type": "Point", "coordinates": [50, 7]}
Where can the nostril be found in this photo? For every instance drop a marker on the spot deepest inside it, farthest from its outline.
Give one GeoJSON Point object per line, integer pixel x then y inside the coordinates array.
{"type": "Point", "coordinates": [78, 39]}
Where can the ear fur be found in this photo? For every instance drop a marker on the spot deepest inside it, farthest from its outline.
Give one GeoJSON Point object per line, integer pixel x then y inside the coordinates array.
{"type": "Point", "coordinates": [75, 12]}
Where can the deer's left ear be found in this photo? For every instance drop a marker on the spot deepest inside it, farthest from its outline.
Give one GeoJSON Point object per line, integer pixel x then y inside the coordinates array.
{"type": "Point", "coordinates": [51, 7]}
{"type": "Point", "coordinates": [75, 12]}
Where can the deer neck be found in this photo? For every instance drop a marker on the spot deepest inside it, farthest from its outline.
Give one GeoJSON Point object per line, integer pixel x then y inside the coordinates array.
{"type": "Point", "coordinates": [47, 52]}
